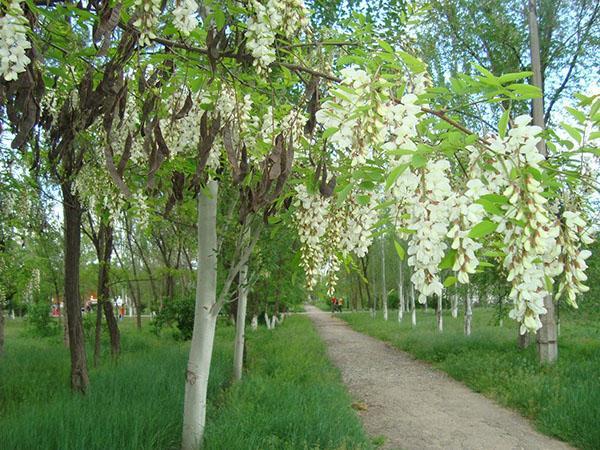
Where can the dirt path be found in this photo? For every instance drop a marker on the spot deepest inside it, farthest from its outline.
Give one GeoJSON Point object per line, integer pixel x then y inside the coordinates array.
{"type": "Point", "coordinates": [416, 406]}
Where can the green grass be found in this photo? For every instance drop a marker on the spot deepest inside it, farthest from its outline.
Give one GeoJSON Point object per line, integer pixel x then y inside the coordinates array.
{"type": "Point", "coordinates": [291, 396]}
{"type": "Point", "coordinates": [562, 400]}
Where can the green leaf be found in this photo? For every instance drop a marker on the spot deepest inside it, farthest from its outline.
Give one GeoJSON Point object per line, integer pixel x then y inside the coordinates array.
{"type": "Point", "coordinates": [448, 260]}
{"type": "Point", "coordinates": [219, 16]}
{"type": "Point", "coordinates": [343, 193]}
{"type": "Point", "coordinates": [330, 132]}
{"type": "Point", "coordinates": [400, 250]}
{"type": "Point", "coordinates": [483, 228]}
{"type": "Point", "coordinates": [525, 90]}
{"type": "Point", "coordinates": [414, 64]}
{"type": "Point", "coordinates": [503, 123]}
{"type": "Point", "coordinates": [418, 160]}
{"type": "Point", "coordinates": [514, 76]}
{"type": "Point", "coordinates": [573, 132]}
{"type": "Point", "coordinates": [449, 281]}
{"type": "Point", "coordinates": [577, 114]}
{"type": "Point", "coordinates": [394, 174]}
{"type": "Point", "coordinates": [387, 47]}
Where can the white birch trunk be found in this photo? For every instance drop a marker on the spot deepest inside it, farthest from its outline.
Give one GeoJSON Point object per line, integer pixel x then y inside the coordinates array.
{"type": "Point", "coordinates": [267, 321]}
{"type": "Point", "coordinates": [254, 323]}
{"type": "Point", "coordinates": [205, 320]}
{"type": "Point", "coordinates": [238, 357]}
{"type": "Point", "coordinates": [468, 314]}
{"type": "Point", "coordinates": [384, 296]}
{"type": "Point", "coordinates": [413, 309]}
{"type": "Point", "coordinates": [438, 314]}
{"type": "Point", "coordinates": [455, 306]}
{"type": "Point", "coordinates": [547, 341]}
{"type": "Point", "coordinates": [400, 293]}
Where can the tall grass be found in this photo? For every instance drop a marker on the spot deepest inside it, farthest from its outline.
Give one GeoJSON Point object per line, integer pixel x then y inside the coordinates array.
{"type": "Point", "coordinates": [291, 397]}
{"type": "Point", "coordinates": [562, 400]}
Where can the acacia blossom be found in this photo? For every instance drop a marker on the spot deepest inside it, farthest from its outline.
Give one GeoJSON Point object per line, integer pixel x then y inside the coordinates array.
{"type": "Point", "coordinates": [148, 12]}
{"type": "Point", "coordinates": [13, 42]}
{"type": "Point", "coordinates": [428, 223]}
{"type": "Point", "coordinates": [184, 16]}
{"type": "Point", "coordinates": [265, 21]}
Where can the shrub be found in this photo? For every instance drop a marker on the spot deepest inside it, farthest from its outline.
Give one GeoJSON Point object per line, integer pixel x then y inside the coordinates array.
{"type": "Point", "coordinates": [178, 313]}
{"type": "Point", "coordinates": [38, 317]}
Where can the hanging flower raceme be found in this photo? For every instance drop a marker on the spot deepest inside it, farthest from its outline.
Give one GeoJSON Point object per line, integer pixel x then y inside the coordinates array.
{"type": "Point", "coordinates": [429, 218]}
{"type": "Point", "coordinates": [13, 42]}
{"type": "Point", "coordinates": [465, 215]}
{"type": "Point", "coordinates": [355, 114]}
{"type": "Point", "coordinates": [311, 220]}
{"type": "Point", "coordinates": [288, 17]}
{"type": "Point", "coordinates": [359, 216]}
{"type": "Point", "coordinates": [184, 16]}
{"type": "Point", "coordinates": [148, 12]}
{"type": "Point", "coordinates": [573, 234]}
{"type": "Point", "coordinates": [529, 229]}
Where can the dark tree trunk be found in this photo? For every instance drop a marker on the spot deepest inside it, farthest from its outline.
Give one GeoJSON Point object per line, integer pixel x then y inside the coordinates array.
{"type": "Point", "coordinates": [105, 241]}
{"type": "Point", "coordinates": [72, 220]}
{"type": "Point", "coordinates": [97, 334]}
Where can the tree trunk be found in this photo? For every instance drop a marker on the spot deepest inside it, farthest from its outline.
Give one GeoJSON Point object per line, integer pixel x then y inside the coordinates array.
{"type": "Point", "coordinates": [205, 321]}
{"type": "Point", "coordinates": [468, 314]}
{"type": "Point", "coordinates": [98, 333]}
{"type": "Point", "coordinates": [523, 340]}
{"type": "Point", "coordinates": [240, 326]}
{"type": "Point", "coordinates": [384, 297]}
{"type": "Point", "coordinates": [254, 323]}
{"type": "Point", "coordinates": [546, 336]}
{"type": "Point", "coordinates": [72, 220]}
{"type": "Point", "coordinates": [439, 318]}
{"type": "Point", "coordinates": [454, 301]}
{"type": "Point", "coordinates": [105, 246]}
{"type": "Point", "coordinates": [413, 309]}
{"type": "Point", "coordinates": [400, 292]}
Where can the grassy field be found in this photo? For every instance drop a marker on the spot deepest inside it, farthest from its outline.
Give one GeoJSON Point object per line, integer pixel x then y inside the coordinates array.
{"type": "Point", "coordinates": [563, 400]}
{"type": "Point", "coordinates": [291, 397]}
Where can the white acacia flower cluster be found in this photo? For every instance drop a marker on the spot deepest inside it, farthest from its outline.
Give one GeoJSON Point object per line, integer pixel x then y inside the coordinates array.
{"type": "Point", "coordinates": [429, 217]}
{"type": "Point", "coordinates": [529, 228]}
{"type": "Point", "coordinates": [573, 233]}
{"type": "Point", "coordinates": [148, 12]}
{"type": "Point", "coordinates": [276, 16]}
{"type": "Point", "coordinates": [358, 222]}
{"type": "Point", "coordinates": [466, 214]}
{"type": "Point", "coordinates": [33, 285]}
{"type": "Point", "coordinates": [13, 42]}
{"type": "Point", "coordinates": [184, 16]}
{"type": "Point", "coordinates": [128, 127]}
{"type": "Point", "coordinates": [356, 113]}
{"type": "Point", "coordinates": [332, 240]}
{"type": "Point", "coordinates": [311, 221]}
{"type": "Point", "coordinates": [97, 190]}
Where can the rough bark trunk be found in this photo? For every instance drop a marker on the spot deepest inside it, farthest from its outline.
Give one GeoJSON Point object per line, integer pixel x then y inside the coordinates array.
{"type": "Point", "coordinates": [400, 292]}
{"type": "Point", "coordinates": [523, 340]}
{"type": "Point", "coordinates": [105, 246]}
{"type": "Point", "coordinates": [468, 314]}
{"type": "Point", "coordinates": [546, 336]}
{"type": "Point", "coordinates": [240, 326]}
{"type": "Point", "coordinates": [72, 220]}
{"type": "Point", "coordinates": [205, 321]}
{"type": "Point", "coordinates": [439, 318]}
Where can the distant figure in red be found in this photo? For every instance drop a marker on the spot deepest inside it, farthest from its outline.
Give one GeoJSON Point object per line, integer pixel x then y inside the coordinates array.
{"type": "Point", "coordinates": [333, 304]}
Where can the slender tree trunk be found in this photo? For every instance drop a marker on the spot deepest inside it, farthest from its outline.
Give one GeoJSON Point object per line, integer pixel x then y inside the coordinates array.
{"type": "Point", "coordinates": [384, 297]}
{"type": "Point", "coordinates": [439, 318]}
{"type": "Point", "coordinates": [547, 342]}
{"type": "Point", "coordinates": [523, 340]}
{"type": "Point", "coordinates": [468, 314]}
{"type": "Point", "coordinates": [240, 326]}
{"type": "Point", "coordinates": [254, 323]}
{"type": "Point", "coordinates": [454, 301]}
{"type": "Point", "coordinates": [413, 309]}
{"type": "Point", "coordinates": [72, 220]}
{"type": "Point", "coordinates": [400, 292]}
{"type": "Point", "coordinates": [205, 321]}
{"type": "Point", "coordinates": [98, 333]}
{"type": "Point", "coordinates": [105, 245]}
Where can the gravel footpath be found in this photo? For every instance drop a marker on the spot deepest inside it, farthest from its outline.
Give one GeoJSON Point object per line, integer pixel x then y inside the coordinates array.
{"type": "Point", "coordinates": [415, 406]}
